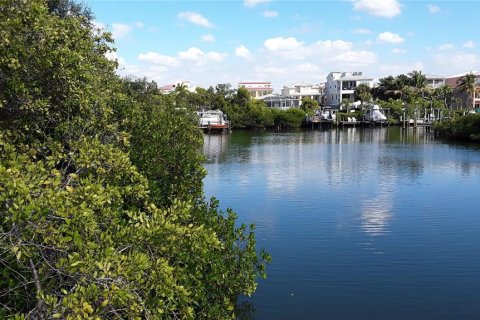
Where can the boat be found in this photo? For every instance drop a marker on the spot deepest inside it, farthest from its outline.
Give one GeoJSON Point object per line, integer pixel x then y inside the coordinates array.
{"type": "Point", "coordinates": [374, 114]}
{"type": "Point", "coordinates": [327, 115]}
{"type": "Point", "coordinates": [212, 119]}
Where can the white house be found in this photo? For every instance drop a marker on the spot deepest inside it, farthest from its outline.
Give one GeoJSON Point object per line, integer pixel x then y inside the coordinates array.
{"type": "Point", "coordinates": [434, 81]}
{"type": "Point", "coordinates": [299, 90]}
{"type": "Point", "coordinates": [342, 85]}
{"type": "Point", "coordinates": [257, 89]}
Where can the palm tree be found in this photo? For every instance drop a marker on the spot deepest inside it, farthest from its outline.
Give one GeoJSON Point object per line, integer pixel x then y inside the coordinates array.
{"type": "Point", "coordinates": [467, 84]}
{"type": "Point", "coordinates": [418, 81]}
{"type": "Point", "coordinates": [444, 92]}
{"type": "Point", "coordinates": [363, 93]}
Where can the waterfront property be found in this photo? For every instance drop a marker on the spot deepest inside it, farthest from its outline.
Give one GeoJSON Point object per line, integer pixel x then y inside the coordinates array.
{"type": "Point", "coordinates": [341, 86]}
{"type": "Point", "coordinates": [464, 98]}
{"type": "Point", "coordinates": [257, 89]}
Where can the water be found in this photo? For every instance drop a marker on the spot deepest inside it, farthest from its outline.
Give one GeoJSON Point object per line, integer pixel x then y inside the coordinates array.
{"type": "Point", "coordinates": [361, 223]}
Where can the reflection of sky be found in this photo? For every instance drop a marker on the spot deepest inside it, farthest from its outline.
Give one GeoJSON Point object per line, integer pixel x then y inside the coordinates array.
{"type": "Point", "coordinates": [356, 217]}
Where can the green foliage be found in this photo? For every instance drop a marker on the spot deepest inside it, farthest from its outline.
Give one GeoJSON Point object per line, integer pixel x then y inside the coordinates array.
{"type": "Point", "coordinates": [465, 128]}
{"type": "Point", "coordinates": [309, 106]}
{"type": "Point", "coordinates": [102, 213]}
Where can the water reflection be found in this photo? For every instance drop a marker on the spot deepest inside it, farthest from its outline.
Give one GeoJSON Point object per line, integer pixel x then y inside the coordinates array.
{"type": "Point", "coordinates": [324, 201]}
{"type": "Point", "coordinates": [215, 146]}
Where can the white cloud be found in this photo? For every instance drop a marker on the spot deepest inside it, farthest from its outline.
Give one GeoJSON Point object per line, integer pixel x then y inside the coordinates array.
{"type": "Point", "coordinates": [390, 37]}
{"type": "Point", "coordinates": [253, 3]}
{"type": "Point", "coordinates": [469, 44]}
{"type": "Point", "coordinates": [281, 43]}
{"type": "Point", "coordinates": [138, 24]}
{"type": "Point", "coordinates": [120, 30]}
{"type": "Point", "coordinates": [113, 56]}
{"type": "Point", "coordinates": [446, 47]}
{"type": "Point", "coordinates": [270, 14]}
{"type": "Point", "coordinates": [158, 59]}
{"type": "Point", "coordinates": [98, 25]}
{"type": "Point", "coordinates": [308, 67]}
{"type": "Point", "coordinates": [361, 31]}
{"type": "Point", "coordinates": [199, 58]}
{"type": "Point", "coordinates": [195, 18]}
{"type": "Point", "coordinates": [398, 51]}
{"type": "Point", "coordinates": [457, 60]}
{"type": "Point", "coordinates": [208, 38]}
{"type": "Point", "coordinates": [433, 8]}
{"type": "Point", "coordinates": [380, 8]}
{"type": "Point", "coordinates": [398, 68]}
{"type": "Point", "coordinates": [243, 52]}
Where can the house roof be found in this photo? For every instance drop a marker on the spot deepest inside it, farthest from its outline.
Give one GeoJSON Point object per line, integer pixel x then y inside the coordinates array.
{"type": "Point", "coordinates": [477, 73]}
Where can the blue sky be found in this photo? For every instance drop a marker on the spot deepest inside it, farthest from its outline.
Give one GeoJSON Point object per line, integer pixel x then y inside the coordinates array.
{"type": "Point", "coordinates": [210, 42]}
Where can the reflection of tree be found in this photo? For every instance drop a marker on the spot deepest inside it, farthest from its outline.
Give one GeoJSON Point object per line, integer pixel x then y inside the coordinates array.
{"type": "Point", "coordinates": [245, 311]}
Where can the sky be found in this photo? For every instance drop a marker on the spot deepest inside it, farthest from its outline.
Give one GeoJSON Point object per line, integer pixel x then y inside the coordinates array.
{"type": "Point", "coordinates": [229, 41]}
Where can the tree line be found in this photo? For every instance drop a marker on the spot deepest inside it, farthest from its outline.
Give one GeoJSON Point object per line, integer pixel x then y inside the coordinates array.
{"type": "Point", "coordinates": [102, 211]}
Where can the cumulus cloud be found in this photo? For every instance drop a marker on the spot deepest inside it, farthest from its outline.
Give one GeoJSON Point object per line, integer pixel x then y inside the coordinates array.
{"type": "Point", "coordinates": [243, 52]}
{"type": "Point", "coordinates": [199, 58]}
{"type": "Point", "coordinates": [469, 44]}
{"type": "Point", "coordinates": [195, 18]}
{"type": "Point", "coordinates": [270, 14]}
{"type": "Point", "coordinates": [361, 31]}
{"type": "Point", "coordinates": [446, 47]}
{"type": "Point", "coordinates": [281, 43]}
{"type": "Point", "coordinates": [380, 8]}
{"type": "Point", "coordinates": [208, 38]}
{"type": "Point", "coordinates": [253, 3]}
{"type": "Point", "coordinates": [120, 30]}
{"type": "Point", "coordinates": [158, 59]}
{"type": "Point", "coordinates": [113, 56]}
{"type": "Point", "coordinates": [308, 67]}
{"type": "Point", "coordinates": [433, 8]}
{"type": "Point", "coordinates": [390, 37]}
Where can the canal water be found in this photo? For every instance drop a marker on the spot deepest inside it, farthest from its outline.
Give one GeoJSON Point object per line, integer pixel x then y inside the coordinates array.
{"type": "Point", "coordinates": [380, 223]}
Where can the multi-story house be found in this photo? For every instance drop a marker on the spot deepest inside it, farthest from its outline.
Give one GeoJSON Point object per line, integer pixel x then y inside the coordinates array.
{"type": "Point", "coordinates": [302, 89]}
{"type": "Point", "coordinates": [464, 99]}
{"type": "Point", "coordinates": [341, 86]}
{"type": "Point", "coordinates": [257, 89]}
{"type": "Point", "coordinates": [434, 81]}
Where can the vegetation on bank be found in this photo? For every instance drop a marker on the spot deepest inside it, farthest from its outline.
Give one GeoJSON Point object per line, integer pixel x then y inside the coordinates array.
{"type": "Point", "coordinates": [102, 213]}
{"type": "Point", "coordinates": [466, 128]}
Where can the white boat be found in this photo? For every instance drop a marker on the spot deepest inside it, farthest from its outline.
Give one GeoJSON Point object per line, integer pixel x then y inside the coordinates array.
{"type": "Point", "coordinates": [212, 119]}
{"type": "Point", "coordinates": [374, 114]}
{"type": "Point", "coordinates": [327, 114]}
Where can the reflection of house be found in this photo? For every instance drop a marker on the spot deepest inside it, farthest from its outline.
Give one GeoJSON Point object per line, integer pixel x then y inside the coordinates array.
{"type": "Point", "coordinates": [434, 81]}
{"type": "Point", "coordinates": [301, 90]}
{"type": "Point", "coordinates": [169, 88]}
{"type": "Point", "coordinates": [341, 86]}
{"type": "Point", "coordinates": [257, 89]}
{"type": "Point", "coordinates": [464, 99]}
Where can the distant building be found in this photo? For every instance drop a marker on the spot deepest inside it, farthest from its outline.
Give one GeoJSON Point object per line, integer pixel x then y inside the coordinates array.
{"type": "Point", "coordinates": [341, 86]}
{"type": "Point", "coordinates": [169, 88]}
{"type": "Point", "coordinates": [463, 99]}
{"type": "Point", "coordinates": [257, 89]}
{"type": "Point", "coordinates": [281, 102]}
{"type": "Point", "coordinates": [300, 90]}
{"type": "Point", "coordinates": [434, 81]}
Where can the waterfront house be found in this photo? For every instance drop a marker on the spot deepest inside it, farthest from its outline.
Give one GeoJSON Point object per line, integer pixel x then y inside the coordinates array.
{"type": "Point", "coordinates": [341, 86]}
{"type": "Point", "coordinates": [464, 99]}
{"type": "Point", "coordinates": [434, 81]}
{"type": "Point", "coordinates": [257, 89]}
{"type": "Point", "coordinates": [169, 88]}
{"type": "Point", "coordinates": [302, 89]}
